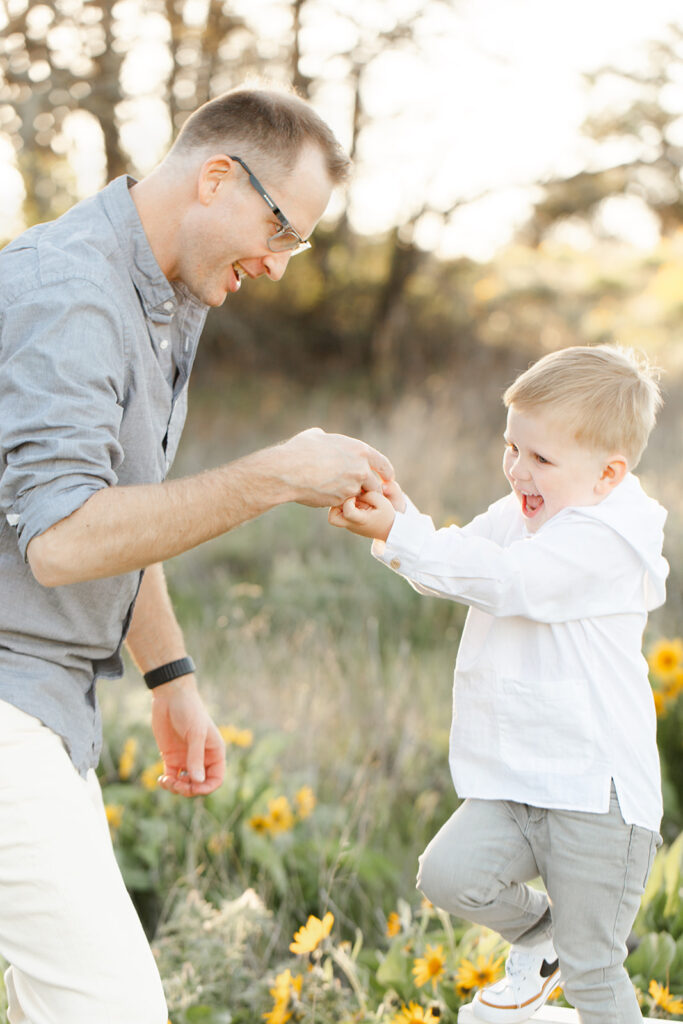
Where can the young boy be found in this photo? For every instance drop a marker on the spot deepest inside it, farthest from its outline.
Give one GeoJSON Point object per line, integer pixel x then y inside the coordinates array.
{"type": "Point", "coordinates": [553, 742]}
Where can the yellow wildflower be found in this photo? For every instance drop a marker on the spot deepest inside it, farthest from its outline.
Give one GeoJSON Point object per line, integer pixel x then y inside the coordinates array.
{"type": "Point", "coordinates": [662, 997]}
{"type": "Point", "coordinates": [285, 986]}
{"type": "Point", "coordinates": [149, 777]}
{"type": "Point", "coordinates": [219, 842]}
{"type": "Point", "coordinates": [429, 967]}
{"type": "Point", "coordinates": [666, 658]}
{"type": "Point", "coordinates": [280, 815]}
{"type": "Point", "coordinates": [304, 799]}
{"type": "Point", "coordinates": [259, 823]}
{"type": "Point", "coordinates": [426, 904]}
{"type": "Point", "coordinates": [114, 814]}
{"type": "Point", "coordinates": [312, 933]}
{"type": "Point", "coordinates": [660, 703]}
{"type": "Point", "coordinates": [555, 994]}
{"type": "Point", "coordinates": [471, 975]}
{"type": "Point", "coordinates": [127, 759]}
{"type": "Point", "coordinates": [415, 1014]}
{"type": "Point", "coordinates": [393, 924]}
{"type": "Point", "coordinates": [278, 1015]}
{"type": "Point", "coordinates": [236, 737]}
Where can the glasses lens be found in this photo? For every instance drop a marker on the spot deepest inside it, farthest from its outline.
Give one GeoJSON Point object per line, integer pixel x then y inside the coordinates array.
{"type": "Point", "coordinates": [284, 239]}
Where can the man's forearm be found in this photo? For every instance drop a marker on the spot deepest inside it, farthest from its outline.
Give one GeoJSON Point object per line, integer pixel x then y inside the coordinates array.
{"type": "Point", "coordinates": [155, 636]}
{"type": "Point", "coordinates": [122, 529]}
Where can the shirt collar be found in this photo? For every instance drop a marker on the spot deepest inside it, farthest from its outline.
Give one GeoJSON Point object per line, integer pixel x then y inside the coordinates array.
{"type": "Point", "coordinates": [157, 295]}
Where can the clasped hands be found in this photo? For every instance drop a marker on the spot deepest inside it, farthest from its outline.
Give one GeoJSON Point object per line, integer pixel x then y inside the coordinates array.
{"type": "Point", "coordinates": [370, 513]}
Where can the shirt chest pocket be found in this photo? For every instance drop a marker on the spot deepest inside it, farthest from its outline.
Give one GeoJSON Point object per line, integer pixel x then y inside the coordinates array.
{"type": "Point", "coordinates": [547, 727]}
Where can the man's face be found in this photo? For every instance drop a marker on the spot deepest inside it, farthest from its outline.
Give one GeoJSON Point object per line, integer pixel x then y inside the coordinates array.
{"type": "Point", "coordinates": [226, 238]}
{"type": "Point", "coordinates": [547, 469]}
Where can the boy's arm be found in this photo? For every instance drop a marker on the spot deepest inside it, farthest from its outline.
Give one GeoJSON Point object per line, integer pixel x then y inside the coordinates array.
{"type": "Point", "coordinates": [577, 568]}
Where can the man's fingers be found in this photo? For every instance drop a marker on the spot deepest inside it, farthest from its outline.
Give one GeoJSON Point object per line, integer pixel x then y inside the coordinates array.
{"type": "Point", "coordinates": [380, 463]}
{"type": "Point", "coordinates": [372, 482]}
{"type": "Point", "coordinates": [196, 743]}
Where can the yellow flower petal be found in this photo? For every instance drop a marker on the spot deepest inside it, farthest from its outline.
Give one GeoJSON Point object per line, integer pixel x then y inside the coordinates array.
{"type": "Point", "coordinates": [662, 997]}
{"type": "Point", "coordinates": [312, 933]}
{"type": "Point", "coordinates": [127, 759]}
{"type": "Point", "coordinates": [666, 658]}
{"type": "Point", "coordinates": [393, 924]}
{"type": "Point", "coordinates": [114, 814]}
{"type": "Point", "coordinates": [429, 967]}
{"type": "Point", "coordinates": [305, 801]}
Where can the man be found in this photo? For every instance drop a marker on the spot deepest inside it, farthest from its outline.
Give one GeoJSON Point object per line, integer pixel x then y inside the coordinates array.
{"type": "Point", "coordinates": [100, 315]}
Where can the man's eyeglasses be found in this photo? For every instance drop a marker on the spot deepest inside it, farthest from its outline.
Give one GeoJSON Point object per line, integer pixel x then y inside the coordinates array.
{"type": "Point", "coordinates": [287, 239]}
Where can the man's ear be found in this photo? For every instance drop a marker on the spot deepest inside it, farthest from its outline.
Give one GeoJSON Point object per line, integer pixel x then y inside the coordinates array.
{"type": "Point", "coordinates": [211, 174]}
{"type": "Point", "coordinates": [613, 472]}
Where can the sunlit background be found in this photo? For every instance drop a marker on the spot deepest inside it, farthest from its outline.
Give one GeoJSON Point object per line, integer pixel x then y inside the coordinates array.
{"type": "Point", "coordinates": [462, 106]}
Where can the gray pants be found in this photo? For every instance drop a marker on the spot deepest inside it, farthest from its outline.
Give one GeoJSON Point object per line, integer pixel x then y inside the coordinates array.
{"type": "Point", "coordinates": [594, 867]}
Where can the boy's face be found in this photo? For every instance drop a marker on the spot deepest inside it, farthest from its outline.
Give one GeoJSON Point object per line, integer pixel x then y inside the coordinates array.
{"type": "Point", "coordinates": [547, 469]}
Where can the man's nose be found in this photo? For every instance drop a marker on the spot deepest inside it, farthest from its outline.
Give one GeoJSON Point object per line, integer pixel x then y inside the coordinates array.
{"type": "Point", "coordinates": [276, 264]}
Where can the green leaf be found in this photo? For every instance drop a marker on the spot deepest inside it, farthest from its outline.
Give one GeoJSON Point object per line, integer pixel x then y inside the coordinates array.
{"type": "Point", "coordinates": [653, 957]}
{"type": "Point", "coordinates": [394, 969]}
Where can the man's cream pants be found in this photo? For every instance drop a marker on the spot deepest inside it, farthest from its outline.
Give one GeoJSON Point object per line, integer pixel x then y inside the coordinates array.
{"type": "Point", "coordinates": [76, 949]}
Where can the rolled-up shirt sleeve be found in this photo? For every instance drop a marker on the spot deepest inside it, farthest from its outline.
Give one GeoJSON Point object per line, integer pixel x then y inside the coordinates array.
{"type": "Point", "coordinates": [61, 392]}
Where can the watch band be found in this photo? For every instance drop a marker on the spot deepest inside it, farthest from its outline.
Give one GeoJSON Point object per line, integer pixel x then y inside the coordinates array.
{"type": "Point", "coordinates": [171, 670]}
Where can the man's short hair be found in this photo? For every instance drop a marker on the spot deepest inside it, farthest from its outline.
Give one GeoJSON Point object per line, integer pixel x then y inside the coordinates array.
{"type": "Point", "coordinates": [263, 123]}
{"type": "Point", "coordinates": [607, 395]}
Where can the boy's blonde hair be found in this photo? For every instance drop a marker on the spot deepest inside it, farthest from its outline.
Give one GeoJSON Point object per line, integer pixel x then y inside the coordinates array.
{"type": "Point", "coordinates": [609, 396]}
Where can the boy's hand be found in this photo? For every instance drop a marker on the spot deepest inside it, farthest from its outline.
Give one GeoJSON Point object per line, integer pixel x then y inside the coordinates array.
{"type": "Point", "coordinates": [393, 492]}
{"type": "Point", "coordinates": [370, 515]}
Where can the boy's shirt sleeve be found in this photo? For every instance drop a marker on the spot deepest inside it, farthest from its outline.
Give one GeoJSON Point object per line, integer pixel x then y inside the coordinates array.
{"type": "Point", "coordinates": [574, 567]}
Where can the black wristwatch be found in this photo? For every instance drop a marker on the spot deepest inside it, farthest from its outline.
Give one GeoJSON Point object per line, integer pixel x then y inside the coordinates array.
{"type": "Point", "coordinates": [171, 670]}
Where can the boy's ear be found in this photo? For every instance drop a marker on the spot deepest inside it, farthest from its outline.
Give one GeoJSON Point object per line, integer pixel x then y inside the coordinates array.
{"type": "Point", "coordinates": [613, 473]}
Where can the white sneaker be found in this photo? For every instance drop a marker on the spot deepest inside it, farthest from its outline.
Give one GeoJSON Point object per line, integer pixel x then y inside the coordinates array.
{"type": "Point", "coordinates": [531, 974]}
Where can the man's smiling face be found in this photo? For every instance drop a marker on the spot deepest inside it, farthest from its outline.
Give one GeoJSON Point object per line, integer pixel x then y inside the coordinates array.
{"type": "Point", "coordinates": [547, 468]}
{"type": "Point", "coordinates": [225, 239]}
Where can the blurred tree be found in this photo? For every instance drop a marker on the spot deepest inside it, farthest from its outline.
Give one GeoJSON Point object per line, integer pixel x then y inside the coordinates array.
{"type": "Point", "coordinates": [117, 68]}
{"type": "Point", "coordinates": [638, 149]}
{"type": "Point", "coordinates": [57, 59]}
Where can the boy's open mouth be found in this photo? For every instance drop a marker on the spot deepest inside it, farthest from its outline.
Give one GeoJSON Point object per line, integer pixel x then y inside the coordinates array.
{"type": "Point", "coordinates": [531, 503]}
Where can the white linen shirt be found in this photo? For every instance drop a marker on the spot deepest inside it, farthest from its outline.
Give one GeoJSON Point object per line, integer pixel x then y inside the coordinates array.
{"type": "Point", "coordinates": [551, 699]}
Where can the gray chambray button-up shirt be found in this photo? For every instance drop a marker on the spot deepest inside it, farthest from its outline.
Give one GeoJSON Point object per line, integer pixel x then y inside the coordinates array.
{"type": "Point", "coordinates": [96, 348]}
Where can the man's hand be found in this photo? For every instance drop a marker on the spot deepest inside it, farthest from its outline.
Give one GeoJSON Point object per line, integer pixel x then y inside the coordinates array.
{"type": "Point", "coordinates": [190, 744]}
{"type": "Point", "coordinates": [372, 515]}
{"type": "Point", "coordinates": [326, 469]}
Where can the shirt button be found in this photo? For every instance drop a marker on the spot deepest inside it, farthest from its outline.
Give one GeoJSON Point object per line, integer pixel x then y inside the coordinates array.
{"type": "Point", "coordinates": [168, 305]}
{"type": "Point", "coordinates": [395, 563]}
{"type": "Point", "coordinates": [163, 344]}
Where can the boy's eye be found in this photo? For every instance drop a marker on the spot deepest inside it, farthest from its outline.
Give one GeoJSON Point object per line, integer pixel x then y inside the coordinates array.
{"type": "Point", "coordinates": [544, 462]}
{"type": "Point", "coordinates": [512, 447]}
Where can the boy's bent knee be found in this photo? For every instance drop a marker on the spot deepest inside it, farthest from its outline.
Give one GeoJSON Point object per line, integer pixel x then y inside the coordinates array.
{"type": "Point", "coordinates": [445, 880]}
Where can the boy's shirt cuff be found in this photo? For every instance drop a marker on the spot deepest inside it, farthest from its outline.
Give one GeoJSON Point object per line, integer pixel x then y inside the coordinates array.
{"type": "Point", "coordinates": [408, 533]}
